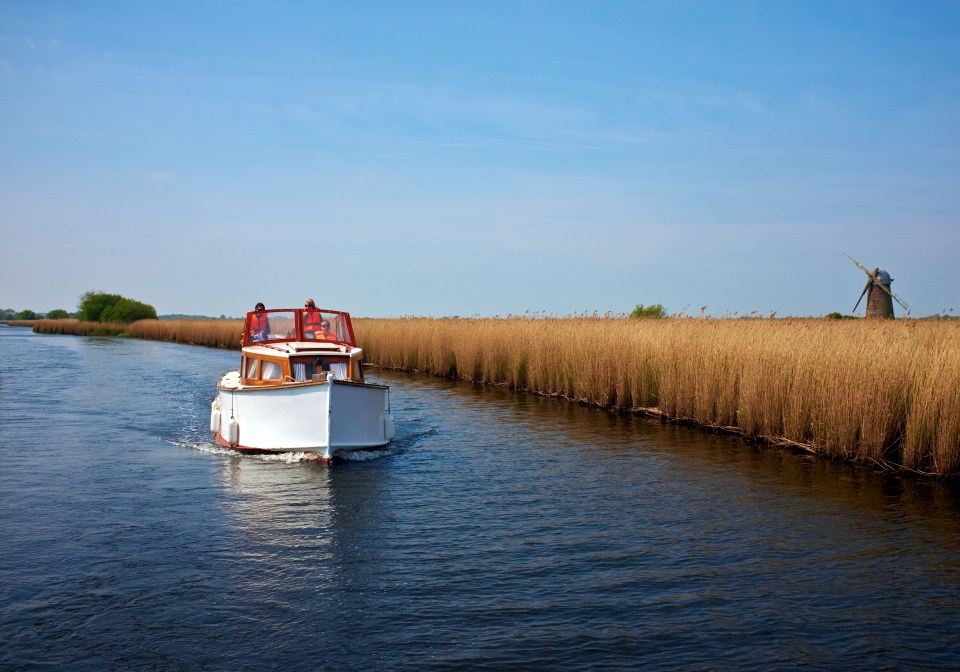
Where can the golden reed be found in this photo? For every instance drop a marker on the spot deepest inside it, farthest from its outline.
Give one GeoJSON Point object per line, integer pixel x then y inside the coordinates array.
{"type": "Point", "coordinates": [886, 392]}
{"type": "Point", "coordinates": [869, 391]}
{"type": "Point", "coordinates": [213, 333]}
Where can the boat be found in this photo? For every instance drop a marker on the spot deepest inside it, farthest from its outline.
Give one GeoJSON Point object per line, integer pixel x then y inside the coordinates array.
{"type": "Point", "coordinates": [300, 388]}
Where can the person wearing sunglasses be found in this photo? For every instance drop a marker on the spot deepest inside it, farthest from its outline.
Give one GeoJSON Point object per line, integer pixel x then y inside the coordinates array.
{"type": "Point", "coordinates": [311, 319]}
{"type": "Point", "coordinates": [325, 332]}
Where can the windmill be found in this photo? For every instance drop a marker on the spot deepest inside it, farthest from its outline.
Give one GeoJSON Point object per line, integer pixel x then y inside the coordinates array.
{"type": "Point", "coordinates": [879, 302]}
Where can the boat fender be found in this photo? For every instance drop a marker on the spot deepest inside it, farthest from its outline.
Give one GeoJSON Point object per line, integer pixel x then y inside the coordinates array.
{"type": "Point", "coordinates": [215, 416]}
{"type": "Point", "coordinates": [389, 428]}
{"type": "Point", "coordinates": [230, 431]}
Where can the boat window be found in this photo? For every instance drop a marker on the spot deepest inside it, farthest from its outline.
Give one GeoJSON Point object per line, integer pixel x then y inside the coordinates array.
{"type": "Point", "coordinates": [303, 369]}
{"type": "Point", "coordinates": [312, 319]}
{"type": "Point", "coordinates": [250, 370]}
{"type": "Point", "coordinates": [283, 326]}
{"type": "Point", "coordinates": [271, 371]}
{"type": "Point", "coordinates": [339, 326]}
{"type": "Point", "coordinates": [272, 325]}
{"type": "Point", "coordinates": [321, 326]}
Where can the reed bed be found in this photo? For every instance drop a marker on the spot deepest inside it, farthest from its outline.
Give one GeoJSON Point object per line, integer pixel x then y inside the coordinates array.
{"type": "Point", "coordinates": [883, 392]}
{"type": "Point", "coordinates": [76, 327]}
{"type": "Point", "coordinates": [212, 333]}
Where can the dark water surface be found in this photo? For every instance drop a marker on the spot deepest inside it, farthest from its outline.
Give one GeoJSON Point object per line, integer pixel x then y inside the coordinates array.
{"type": "Point", "coordinates": [500, 531]}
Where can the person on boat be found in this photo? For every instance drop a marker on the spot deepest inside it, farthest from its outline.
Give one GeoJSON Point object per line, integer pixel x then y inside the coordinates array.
{"type": "Point", "coordinates": [259, 324]}
{"type": "Point", "coordinates": [311, 319]}
{"type": "Point", "coordinates": [325, 334]}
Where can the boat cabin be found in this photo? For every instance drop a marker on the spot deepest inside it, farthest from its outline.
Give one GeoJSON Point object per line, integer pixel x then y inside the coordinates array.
{"type": "Point", "coordinates": [293, 345]}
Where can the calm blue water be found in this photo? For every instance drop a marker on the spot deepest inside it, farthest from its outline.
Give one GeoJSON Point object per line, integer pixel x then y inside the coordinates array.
{"type": "Point", "coordinates": [498, 532]}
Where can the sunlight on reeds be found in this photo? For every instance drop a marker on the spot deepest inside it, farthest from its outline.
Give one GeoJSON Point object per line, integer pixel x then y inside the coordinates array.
{"type": "Point", "coordinates": [77, 328]}
{"type": "Point", "coordinates": [213, 333]}
{"type": "Point", "coordinates": [872, 391]}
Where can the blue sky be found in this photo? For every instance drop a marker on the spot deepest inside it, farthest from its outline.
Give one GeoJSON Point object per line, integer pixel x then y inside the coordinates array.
{"type": "Point", "coordinates": [482, 158]}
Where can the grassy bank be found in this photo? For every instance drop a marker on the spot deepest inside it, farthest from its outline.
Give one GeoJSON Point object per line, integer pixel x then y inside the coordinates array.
{"type": "Point", "coordinates": [885, 392]}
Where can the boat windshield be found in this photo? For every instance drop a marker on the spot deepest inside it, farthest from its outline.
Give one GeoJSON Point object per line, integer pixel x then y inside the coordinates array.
{"type": "Point", "coordinates": [325, 325]}
{"type": "Point", "coordinates": [271, 325]}
{"type": "Point", "coordinates": [280, 325]}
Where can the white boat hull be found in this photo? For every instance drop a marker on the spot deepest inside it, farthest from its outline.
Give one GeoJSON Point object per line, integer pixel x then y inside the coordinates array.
{"type": "Point", "coordinates": [327, 417]}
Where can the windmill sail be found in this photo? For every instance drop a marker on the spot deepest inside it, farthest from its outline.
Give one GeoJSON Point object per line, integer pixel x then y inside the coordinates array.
{"type": "Point", "coordinates": [865, 288]}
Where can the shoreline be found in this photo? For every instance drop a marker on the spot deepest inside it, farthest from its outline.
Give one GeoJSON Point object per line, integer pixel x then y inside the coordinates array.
{"type": "Point", "coordinates": [881, 394]}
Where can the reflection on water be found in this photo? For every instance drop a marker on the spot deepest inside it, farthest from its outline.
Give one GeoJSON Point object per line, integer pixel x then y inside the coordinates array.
{"type": "Point", "coordinates": [499, 531]}
{"type": "Point", "coordinates": [604, 435]}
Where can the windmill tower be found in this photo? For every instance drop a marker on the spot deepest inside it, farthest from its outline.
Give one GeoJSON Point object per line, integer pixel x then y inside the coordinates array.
{"type": "Point", "coordinates": [879, 297]}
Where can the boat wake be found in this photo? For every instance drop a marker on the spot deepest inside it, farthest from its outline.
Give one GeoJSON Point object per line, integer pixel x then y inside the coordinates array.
{"type": "Point", "coordinates": [204, 447]}
{"type": "Point", "coordinates": [402, 442]}
{"type": "Point", "coordinates": [398, 446]}
{"type": "Point", "coordinates": [214, 448]}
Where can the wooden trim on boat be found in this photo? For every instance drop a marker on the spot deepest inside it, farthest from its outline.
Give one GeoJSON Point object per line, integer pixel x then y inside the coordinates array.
{"type": "Point", "coordinates": [243, 387]}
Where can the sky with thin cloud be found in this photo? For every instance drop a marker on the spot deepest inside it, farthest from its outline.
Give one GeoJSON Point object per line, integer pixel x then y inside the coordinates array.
{"type": "Point", "coordinates": [483, 158]}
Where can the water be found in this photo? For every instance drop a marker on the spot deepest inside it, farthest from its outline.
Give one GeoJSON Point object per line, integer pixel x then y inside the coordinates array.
{"type": "Point", "coordinates": [499, 531]}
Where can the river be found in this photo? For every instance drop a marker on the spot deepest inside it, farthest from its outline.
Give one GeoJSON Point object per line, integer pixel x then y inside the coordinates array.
{"type": "Point", "coordinates": [499, 531]}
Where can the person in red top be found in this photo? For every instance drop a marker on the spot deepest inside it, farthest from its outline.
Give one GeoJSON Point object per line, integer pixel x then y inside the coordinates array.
{"type": "Point", "coordinates": [325, 333]}
{"type": "Point", "coordinates": [311, 319]}
{"type": "Point", "coordinates": [259, 324]}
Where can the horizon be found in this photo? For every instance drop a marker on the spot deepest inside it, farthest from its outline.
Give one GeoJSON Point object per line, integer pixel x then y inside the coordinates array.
{"type": "Point", "coordinates": [948, 315]}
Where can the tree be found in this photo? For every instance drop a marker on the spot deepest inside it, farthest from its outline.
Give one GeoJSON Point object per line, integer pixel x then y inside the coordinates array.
{"type": "Point", "coordinates": [58, 314]}
{"type": "Point", "coordinates": [127, 310]}
{"type": "Point", "coordinates": [92, 304]}
{"type": "Point", "coordinates": [102, 307]}
{"type": "Point", "coordinates": [25, 315]}
{"type": "Point", "coordinates": [654, 310]}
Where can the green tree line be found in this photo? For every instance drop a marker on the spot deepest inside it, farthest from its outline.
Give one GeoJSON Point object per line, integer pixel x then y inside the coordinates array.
{"type": "Point", "coordinates": [93, 306]}
{"type": "Point", "coordinates": [102, 307]}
